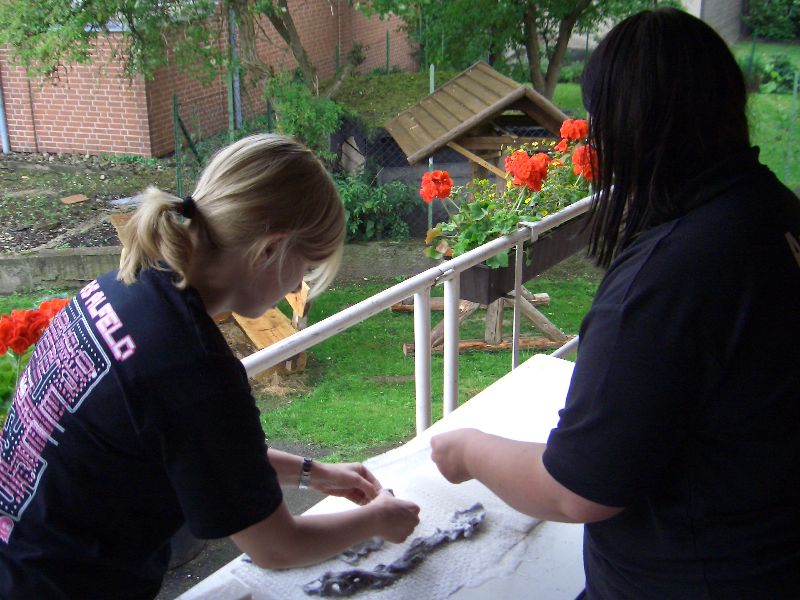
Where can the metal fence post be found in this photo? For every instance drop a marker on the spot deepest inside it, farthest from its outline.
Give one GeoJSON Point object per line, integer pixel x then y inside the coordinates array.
{"type": "Point", "coordinates": [177, 130]}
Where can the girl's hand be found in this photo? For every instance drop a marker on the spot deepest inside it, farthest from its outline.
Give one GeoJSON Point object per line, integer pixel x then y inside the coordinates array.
{"type": "Point", "coordinates": [348, 480]}
{"type": "Point", "coordinates": [396, 518]}
{"type": "Point", "coordinates": [448, 451]}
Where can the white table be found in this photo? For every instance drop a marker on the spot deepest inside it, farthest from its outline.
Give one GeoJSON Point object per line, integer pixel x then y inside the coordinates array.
{"type": "Point", "coordinates": [514, 556]}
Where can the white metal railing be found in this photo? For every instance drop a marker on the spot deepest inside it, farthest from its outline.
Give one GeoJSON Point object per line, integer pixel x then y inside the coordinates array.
{"type": "Point", "coordinates": [420, 287]}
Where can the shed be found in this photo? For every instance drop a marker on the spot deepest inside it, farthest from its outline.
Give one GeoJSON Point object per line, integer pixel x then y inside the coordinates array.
{"type": "Point", "coordinates": [475, 114]}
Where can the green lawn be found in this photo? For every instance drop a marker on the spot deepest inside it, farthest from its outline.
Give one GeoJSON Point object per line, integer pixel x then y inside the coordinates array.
{"type": "Point", "coordinates": [360, 392]}
{"type": "Point", "coordinates": [766, 49]}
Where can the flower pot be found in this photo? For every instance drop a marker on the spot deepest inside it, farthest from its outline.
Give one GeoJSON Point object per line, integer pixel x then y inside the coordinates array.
{"type": "Point", "coordinates": [485, 285]}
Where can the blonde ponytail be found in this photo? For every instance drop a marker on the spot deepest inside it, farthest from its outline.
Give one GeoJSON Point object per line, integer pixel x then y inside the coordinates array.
{"type": "Point", "coordinates": [262, 185]}
{"type": "Point", "coordinates": [155, 234]}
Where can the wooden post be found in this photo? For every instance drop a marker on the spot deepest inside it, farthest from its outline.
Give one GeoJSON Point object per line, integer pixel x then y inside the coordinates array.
{"type": "Point", "coordinates": [493, 333]}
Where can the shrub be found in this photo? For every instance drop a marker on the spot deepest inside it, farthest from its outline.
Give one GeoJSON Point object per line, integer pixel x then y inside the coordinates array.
{"type": "Point", "coordinates": [571, 73]}
{"type": "Point", "coordinates": [375, 212]}
{"type": "Point", "coordinates": [778, 75]}
{"type": "Point", "coordinates": [773, 19]}
{"type": "Point", "coordinates": [310, 119]}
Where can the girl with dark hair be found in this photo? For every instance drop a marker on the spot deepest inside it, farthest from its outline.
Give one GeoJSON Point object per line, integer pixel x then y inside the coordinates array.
{"type": "Point", "coordinates": [133, 416]}
{"type": "Point", "coordinates": [679, 445]}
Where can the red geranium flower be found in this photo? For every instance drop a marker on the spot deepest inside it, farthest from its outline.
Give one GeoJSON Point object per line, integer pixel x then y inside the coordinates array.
{"type": "Point", "coordinates": [435, 184]}
{"type": "Point", "coordinates": [530, 171]}
{"type": "Point", "coordinates": [50, 308]}
{"type": "Point", "coordinates": [561, 146]}
{"type": "Point", "coordinates": [584, 161]}
{"type": "Point", "coordinates": [575, 129]}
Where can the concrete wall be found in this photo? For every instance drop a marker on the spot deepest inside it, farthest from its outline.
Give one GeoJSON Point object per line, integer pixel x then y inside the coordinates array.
{"type": "Point", "coordinates": [725, 16]}
{"type": "Point", "coordinates": [72, 268]}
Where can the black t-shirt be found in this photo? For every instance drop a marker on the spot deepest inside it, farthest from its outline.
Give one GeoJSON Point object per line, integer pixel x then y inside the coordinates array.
{"type": "Point", "coordinates": [684, 405]}
{"type": "Point", "coordinates": [132, 417]}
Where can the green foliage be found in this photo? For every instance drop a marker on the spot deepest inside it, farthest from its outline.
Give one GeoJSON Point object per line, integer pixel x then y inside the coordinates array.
{"type": "Point", "coordinates": [375, 211]}
{"type": "Point", "coordinates": [509, 32]}
{"type": "Point", "coordinates": [8, 380]}
{"type": "Point", "coordinates": [779, 75]}
{"type": "Point", "coordinates": [774, 19]}
{"type": "Point", "coordinates": [571, 73]}
{"type": "Point", "coordinates": [376, 98]}
{"type": "Point", "coordinates": [47, 34]}
{"type": "Point", "coordinates": [484, 212]}
{"type": "Point", "coordinates": [309, 118]}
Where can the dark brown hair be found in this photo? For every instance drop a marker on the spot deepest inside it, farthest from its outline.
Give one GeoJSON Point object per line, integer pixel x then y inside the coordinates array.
{"type": "Point", "coordinates": [666, 99]}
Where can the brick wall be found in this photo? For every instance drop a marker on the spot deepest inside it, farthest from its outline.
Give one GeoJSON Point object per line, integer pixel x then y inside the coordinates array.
{"type": "Point", "coordinates": [321, 26]}
{"type": "Point", "coordinates": [88, 109]}
{"type": "Point", "coordinates": [95, 108]}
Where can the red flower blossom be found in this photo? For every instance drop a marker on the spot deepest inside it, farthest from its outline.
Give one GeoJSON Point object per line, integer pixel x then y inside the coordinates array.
{"type": "Point", "coordinates": [527, 170]}
{"type": "Point", "coordinates": [584, 162]}
{"type": "Point", "coordinates": [575, 129]}
{"type": "Point", "coordinates": [435, 184]}
{"type": "Point", "coordinates": [21, 329]}
{"type": "Point", "coordinates": [561, 146]}
{"type": "Point", "coordinates": [50, 308]}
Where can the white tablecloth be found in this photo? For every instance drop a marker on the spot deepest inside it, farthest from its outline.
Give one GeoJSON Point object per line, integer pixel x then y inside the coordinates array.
{"type": "Point", "coordinates": [512, 555]}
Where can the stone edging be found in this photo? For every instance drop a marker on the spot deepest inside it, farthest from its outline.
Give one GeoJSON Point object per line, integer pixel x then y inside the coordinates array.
{"type": "Point", "coordinates": [72, 267]}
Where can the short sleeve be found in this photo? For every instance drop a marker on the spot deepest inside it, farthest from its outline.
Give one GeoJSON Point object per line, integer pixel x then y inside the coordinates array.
{"type": "Point", "coordinates": [628, 407]}
{"type": "Point", "coordinates": [215, 456]}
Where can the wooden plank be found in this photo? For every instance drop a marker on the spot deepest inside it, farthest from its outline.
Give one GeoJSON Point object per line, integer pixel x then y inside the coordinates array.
{"type": "Point", "coordinates": [466, 126]}
{"type": "Point", "coordinates": [526, 343]}
{"type": "Point", "coordinates": [74, 199]}
{"type": "Point", "coordinates": [447, 120]}
{"type": "Point", "coordinates": [416, 130]}
{"type": "Point", "coordinates": [486, 69]}
{"type": "Point", "coordinates": [437, 303]}
{"type": "Point", "coordinates": [455, 93]}
{"type": "Point", "coordinates": [541, 322]}
{"type": "Point", "coordinates": [486, 97]}
{"type": "Point", "coordinates": [407, 143]}
{"type": "Point", "coordinates": [477, 159]}
{"type": "Point", "coordinates": [299, 301]}
{"type": "Point", "coordinates": [429, 122]}
{"type": "Point", "coordinates": [483, 87]}
{"type": "Point", "coordinates": [546, 115]}
{"type": "Point", "coordinates": [273, 326]}
{"type": "Point", "coordinates": [459, 112]}
{"type": "Point", "coordinates": [493, 330]}
{"type": "Point", "coordinates": [465, 309]}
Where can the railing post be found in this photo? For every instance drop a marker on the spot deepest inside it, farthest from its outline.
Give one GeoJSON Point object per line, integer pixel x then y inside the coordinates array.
{"type": "Point", "coordinates": [422, 357]}
{"type": "Point", "coordinates": [452, 291]}
{"type": "Point", "coordinates": [517, 307]}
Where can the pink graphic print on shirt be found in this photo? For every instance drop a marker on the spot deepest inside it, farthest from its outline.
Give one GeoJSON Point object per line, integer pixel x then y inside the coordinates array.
{"type": "Point", "coordinates": [67, 363]}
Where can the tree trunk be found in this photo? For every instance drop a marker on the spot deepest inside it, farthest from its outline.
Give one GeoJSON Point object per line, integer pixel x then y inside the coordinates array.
{"type": "Point", "coordinates": [545, 84]}
{"type": "Point", "coordinates": [533, 51]}
{"type": "Point", "coordinates": [282, 21]}
{"type": "Point", "coordinates": [559, 52]}
{"type": "Point", "coordinates": [247, 39]}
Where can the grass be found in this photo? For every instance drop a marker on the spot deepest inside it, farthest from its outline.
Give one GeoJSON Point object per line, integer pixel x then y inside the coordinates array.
{"type": "Point", "coordinates": [357, 393]}
{"type": "Point", "coordinates": [360, 395]}
{"type": "Point", "coordinates": [30, 300]}
{"type": "Point", "coordinates": [767, 49]}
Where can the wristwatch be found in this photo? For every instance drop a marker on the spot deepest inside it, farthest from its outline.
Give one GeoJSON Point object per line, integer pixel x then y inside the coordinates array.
{"type": "Point", "coordinates": [305, 474]}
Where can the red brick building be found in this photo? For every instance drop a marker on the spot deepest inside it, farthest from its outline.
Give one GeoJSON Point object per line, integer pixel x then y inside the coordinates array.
{"type": "Point", "coordinates": [96, 108]}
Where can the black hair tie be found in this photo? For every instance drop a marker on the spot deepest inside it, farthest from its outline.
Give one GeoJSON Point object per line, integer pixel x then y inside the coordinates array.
{"type": "Point", "coordinates": [189, 208]}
